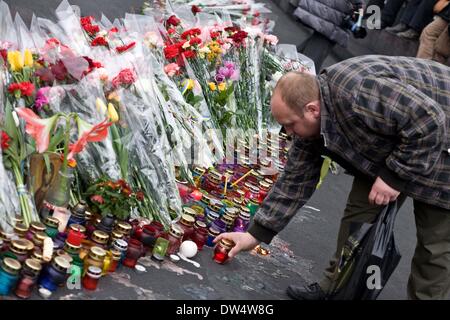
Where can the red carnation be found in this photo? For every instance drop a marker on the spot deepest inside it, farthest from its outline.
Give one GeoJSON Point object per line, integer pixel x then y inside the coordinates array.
{"type": "Point", "coordinates": [173, 21]}
{"type": "Point", "coordinates": [189, 54]}
{"type": "Point", "coordinates": [191, 33]}
{"type": "Point", "coordinates": [172, 51]}
{"type": "Point", "coordinates": [195, 9]}
{"type": "Point", "coordinates": [232, 29]}
{"type": "Point", "coordinates": [171, 31]}
{"type": "Point", "coordinates": [114, 30]}
{"type": "Point", "coordinates": [91, 29]}
{"type": "Point", "coordinates": [25, 88]}
{"type": "Point", "coordinates": [5, 140]}
{"type": "Point", "coordinates": [214, 34]}
{"type": "Point", "coordinates": [99, 41]}
{"type": "Point", "coordinates": [126, 47]}
{"type": "Point", "coordinates": [86, 20]}
{"type": "Point", "coordinates": [195, 41]}
{"type": "Point", "coordinates": [239, 37]}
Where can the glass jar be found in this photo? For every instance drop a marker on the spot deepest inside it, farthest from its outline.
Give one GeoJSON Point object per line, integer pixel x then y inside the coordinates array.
{"type": "Point", "coordinates": [187, 224]}
{"type": "Point", "coordinates": [200, 234]}
{"type": "Point", "coordinates": [212, 214]}
{"type": "Point", "coordinates": [28, 278]}
{"type": "Point", "coordinates": [213, 182]}
{"type": "Point", "coordinates": [122, 246]}
{"type": "Point", "coordinates": [134, 252]}
{"type": "Point", "coordinates": [38, 239]}
{"type": "Point", "coordinates": [218, 224]}
{"type": "Point", "coordinates": [160, 249]}
{"type": "Point", "coordinates": [149, 235]}
{"type": "Point", "coordinates": [20, 230]}
{"type": "Point", "coordinates": [78, 213]}
{"type": "Point", "coordinates": [115, 235]}
{"type": "Point", "coordinates": [222, 249]}
{"type": "Point", "coordinates": [107, 262]}
{"type": "Point", "coordinates": [124, 228]}
{"type": "Point", "coordinates": [9, 274]}
{"type": "Point", "coordinates": [52, 225]}
{"type": "Point", "coordinates": [229, 221]}
{"type": "Point", "coordinates": [242, 222]}
{"type": "Point", "coordinates": [205, 201]}
{"type": "Point", "coordinates": [100, 239]}
{"type": "Point", "coordinates": [35, 227]}
{"type": "Point", "coordinates": [37, 255]}
{"type": "Point", "coordinates": [6, 239]}
{"type": "Point", "coordinates": [95, 258]}
{"type": "Point", "coordinates": [264, 189]}
{"type": "Point", "coordinates": [212, 234]}
{"type": "Point", "coordinates": [78, 228]}
{"type": "Point", "coordinates": [90, 279]}
{"type": "Point", "coordinates": [106, 223]}
{"type": "Point", "coordinates": [72, 250]}
{"type": "Point", "coordinates": [174, 237]}
{"type": "Point", "coordinates": [54, 274]}
{"type": "Point", "coordinates": [116, 257]}
{"type": "Point", "coordinates": [18, 250]}
{"type": "Point", "coordinates": [60, 240]}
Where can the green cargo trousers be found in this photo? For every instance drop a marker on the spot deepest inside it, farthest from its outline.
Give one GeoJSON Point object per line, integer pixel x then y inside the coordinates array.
{"type": "Point", "coordinates": [430, 268]}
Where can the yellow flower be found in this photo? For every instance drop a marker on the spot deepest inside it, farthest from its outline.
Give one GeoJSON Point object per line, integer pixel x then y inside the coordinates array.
{"type": "Point", "coordinates": [188, 84]}
{"type": "Point", "coordinates": [212, 86]}
{"type": "Point", "coordinates": [101, 107]}
{"type": "Point", "coordinates": [112, 113]}
{"type": "Point", "coordinates": [114, 96]}
{"type": "Point", "coordinates": [28, 58]}
{"type": "Point", "coordinates": [222, 86]}
{"type": "Point", "coordinates": [15, 60]}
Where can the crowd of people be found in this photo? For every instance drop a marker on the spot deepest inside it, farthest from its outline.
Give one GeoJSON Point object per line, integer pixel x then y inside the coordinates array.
{"type": "Point", "coordinates": [426, 21]}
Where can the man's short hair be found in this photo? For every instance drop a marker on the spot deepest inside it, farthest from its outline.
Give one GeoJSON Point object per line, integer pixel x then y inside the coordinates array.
{"type": "Point", "coordinates": [297, 89]}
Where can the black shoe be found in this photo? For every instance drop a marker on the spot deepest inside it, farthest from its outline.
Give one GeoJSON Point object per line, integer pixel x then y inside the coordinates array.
{"type": "Point", "coordinates": [397, 28]}
{"type": "Point", "coordinates": [311, 292]}
{"type": "Point", "coordinates": [409, 34]}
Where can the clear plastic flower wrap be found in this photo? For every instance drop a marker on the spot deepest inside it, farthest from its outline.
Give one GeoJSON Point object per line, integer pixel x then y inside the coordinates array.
{"type": "Point", "coordinates": [98, 159]}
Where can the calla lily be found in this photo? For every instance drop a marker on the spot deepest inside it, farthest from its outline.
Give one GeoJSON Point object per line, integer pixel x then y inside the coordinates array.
{"type": "Point", "coordinates": [28, 58]}
{"type": "Point", "coordinates": [15, 60]}
{"type": "Point", "coordinates": [112, 113]}
{"type": "Point", "coordinates": [37, 127]}
{"type": "Point", "coordinates": [88, 133]}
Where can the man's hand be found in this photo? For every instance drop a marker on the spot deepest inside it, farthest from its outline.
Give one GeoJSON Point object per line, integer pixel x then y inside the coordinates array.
{"type": "Point", "coordinates": [381, 193]}
{"type": "Point", "coordinates": [244, 242]}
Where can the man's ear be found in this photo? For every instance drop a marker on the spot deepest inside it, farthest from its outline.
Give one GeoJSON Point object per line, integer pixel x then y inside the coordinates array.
{"type": "Point", "coordinates": [313, 108]}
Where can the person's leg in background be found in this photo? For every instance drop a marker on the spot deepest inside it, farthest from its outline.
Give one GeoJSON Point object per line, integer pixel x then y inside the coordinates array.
{"type": "Point", "coordinates": [442, 47]}
{"type": "Point", "coordinates": [389, 14]}
{"type": "Point", "coordinates": [430, 267]}
{"type": "Point", "coordinates": [317, 47]}
{"type": "Point", "coordinates": [420, 14]}
{"type": "Point", "coordinates": [429, 37]}
{"type": "Point", "coordinates": [358, 209]}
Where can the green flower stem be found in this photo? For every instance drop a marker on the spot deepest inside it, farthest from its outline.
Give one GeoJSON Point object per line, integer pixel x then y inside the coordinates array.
{"type": "Point", "coordinates": [24, 204]}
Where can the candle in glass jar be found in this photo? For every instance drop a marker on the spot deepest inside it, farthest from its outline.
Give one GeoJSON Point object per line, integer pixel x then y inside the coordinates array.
{"type": "Point", "coordinates": [221, 251]}
{"type": "Point", "coordinates": [91, 278]}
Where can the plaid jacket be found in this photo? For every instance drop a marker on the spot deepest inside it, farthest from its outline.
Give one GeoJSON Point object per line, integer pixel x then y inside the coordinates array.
{"type": "Point", "coordinates": [385, 116]}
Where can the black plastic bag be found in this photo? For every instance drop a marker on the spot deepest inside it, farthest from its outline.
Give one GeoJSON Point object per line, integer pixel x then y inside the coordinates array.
{"type": "Point", "coordinates": [368, 259]}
